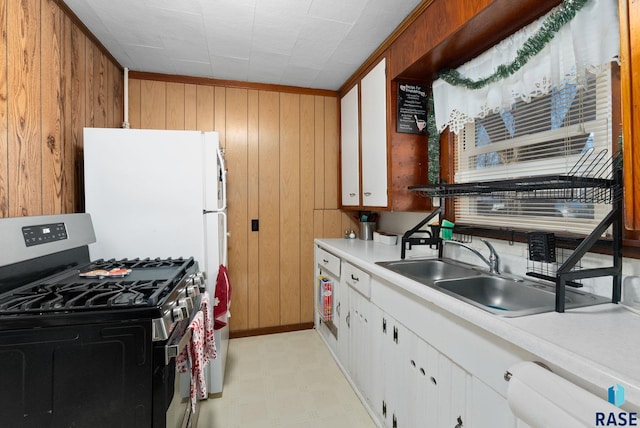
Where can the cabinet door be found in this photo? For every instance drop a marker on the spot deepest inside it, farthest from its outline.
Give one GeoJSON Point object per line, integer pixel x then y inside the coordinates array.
{"type": "Point", "coordinates": [489, 408]}
{"type": "Point", "coordinates": [344, 319]}
{"type": "Point", "coordinates": [361, 343]}
{"type": "Point", "coordinates": [350, 151]}
{"type": "Point", "coordinates": [378, 344]}
{"type": "Point", "coordinates": [454, 389]}
{"type": "Point", "coordinates": [374, 136]}
{"type": "Point", "coordinates": [396, 396]}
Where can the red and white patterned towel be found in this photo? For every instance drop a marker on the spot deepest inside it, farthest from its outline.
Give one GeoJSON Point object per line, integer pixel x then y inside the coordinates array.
{"type": "Point", "coordinates": [199, 351]}
{"type": "Point", "coordinates": [210, 340]}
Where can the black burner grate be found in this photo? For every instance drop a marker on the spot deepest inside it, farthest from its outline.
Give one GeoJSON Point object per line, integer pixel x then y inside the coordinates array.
{"type": "Point", "coordinates": [148, 284]}
{"type": "Point", "coordinates": [137, 263]}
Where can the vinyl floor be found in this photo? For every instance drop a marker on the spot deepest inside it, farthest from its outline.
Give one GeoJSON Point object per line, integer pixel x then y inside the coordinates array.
{"type": "Point", "coordinates": [283, 380]}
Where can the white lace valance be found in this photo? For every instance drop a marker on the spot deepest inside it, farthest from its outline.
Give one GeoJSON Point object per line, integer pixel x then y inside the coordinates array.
{"type": "Point", "coordinates": [589, 41]}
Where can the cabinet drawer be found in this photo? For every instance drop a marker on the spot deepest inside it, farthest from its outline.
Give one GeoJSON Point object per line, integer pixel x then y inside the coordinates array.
{"type": "Point", "coordinates": [328, 261]}
{"type": "Point", "coordinates": [359, 280]}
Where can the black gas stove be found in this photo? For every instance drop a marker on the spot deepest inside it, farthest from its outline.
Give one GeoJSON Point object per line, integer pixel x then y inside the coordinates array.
{"type": "Point", "coordinates": [87, 343]}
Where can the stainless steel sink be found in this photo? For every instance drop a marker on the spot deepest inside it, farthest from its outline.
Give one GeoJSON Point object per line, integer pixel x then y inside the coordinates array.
{"type": "Point", "coordinates": [431, 270]}
{"type": "Point", "coordinates": [502, 295]}
{"type": "Point", "coordinates": [511, 298]}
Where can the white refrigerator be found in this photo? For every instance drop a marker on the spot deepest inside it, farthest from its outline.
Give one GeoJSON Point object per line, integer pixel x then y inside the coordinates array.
{"type": "Point", "coordinates": [157, 193]}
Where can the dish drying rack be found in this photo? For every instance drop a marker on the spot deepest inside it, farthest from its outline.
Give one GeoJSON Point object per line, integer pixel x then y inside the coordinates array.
{"type": "Point", "coordinates": [595, 178]}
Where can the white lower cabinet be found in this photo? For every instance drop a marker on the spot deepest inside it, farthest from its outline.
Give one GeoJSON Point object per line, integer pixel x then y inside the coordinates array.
{"type": "Point", "coordinates": [490, 408]}
{"type": "Point", "coordinates": [343, 320]}
{"type": "Point", "coordinates": [413, 365]}
{"type": "Point", "coordinates": [421, 387]}
{"type": "Point", "coordinates": [361, 361]}
{"type": "Point", "coordinates": [396, 389]}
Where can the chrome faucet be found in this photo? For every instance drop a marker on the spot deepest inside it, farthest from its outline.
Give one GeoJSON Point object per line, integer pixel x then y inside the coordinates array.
{"type": "Point", "coordinates": [493, 262]}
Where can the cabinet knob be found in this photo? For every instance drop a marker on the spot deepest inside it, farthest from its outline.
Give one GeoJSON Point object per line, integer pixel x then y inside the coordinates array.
{"type": "Point", "coordinates": [355, 278]}
{"type": "Point", "coordinates": [367, 193]}
{"type": "Point", "coordinates": [353, 195]}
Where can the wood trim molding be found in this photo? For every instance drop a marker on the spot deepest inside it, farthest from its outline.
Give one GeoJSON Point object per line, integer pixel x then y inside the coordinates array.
{"type": "Point", "coordinates": [74, 18]}
{"type": "Point", "coordinates": [271, 330]}
{"type": "Point", "coordinates": [174, 78]}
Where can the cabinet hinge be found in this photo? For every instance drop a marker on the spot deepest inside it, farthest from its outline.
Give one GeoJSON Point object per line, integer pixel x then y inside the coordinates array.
{"type": "Point", "coordinates": [384, 409]}
{"type": "Point", "coordinates": [460, 424]}
{"type": "Point", "coordinates": [395, 334]}
{"type": "Point", "coordinates": [384, 325]}
{"type": "Point", "coordinates": [395, 421]}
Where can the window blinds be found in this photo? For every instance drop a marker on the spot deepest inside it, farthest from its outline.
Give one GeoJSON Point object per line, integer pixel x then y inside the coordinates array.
{"type": "Point", "coordinates": [547, 136]}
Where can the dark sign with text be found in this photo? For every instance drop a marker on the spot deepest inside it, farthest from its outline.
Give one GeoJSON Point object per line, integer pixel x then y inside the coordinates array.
{"type": "Point", "coordinates": [412, 109]}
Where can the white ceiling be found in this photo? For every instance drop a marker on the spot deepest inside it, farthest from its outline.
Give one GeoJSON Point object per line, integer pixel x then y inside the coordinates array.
{"type": "Point", "coordinates": [307, 43]}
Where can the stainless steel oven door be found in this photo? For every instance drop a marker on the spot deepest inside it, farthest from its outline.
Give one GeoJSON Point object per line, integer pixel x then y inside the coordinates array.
{"type": "Point", "coordinates": [179, 413]}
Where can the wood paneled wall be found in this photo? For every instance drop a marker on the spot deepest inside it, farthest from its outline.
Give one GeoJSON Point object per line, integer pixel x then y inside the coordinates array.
{"type": "Point", "coordinates": [53, 82]}
{"type": "Point", "coordinates": [281, 149]}
{"type": "Point", "coordinates": [630, 90]}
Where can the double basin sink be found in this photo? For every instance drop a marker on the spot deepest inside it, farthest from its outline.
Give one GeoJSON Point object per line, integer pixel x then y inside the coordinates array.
{"type": "Point", "coordinates": [502, 295]}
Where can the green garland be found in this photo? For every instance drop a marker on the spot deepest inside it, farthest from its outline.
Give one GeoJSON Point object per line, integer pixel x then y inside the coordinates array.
{"type": "Point", "coordinates": [533, 46]}
{"type": "Point", "coordinates": [433, 145]}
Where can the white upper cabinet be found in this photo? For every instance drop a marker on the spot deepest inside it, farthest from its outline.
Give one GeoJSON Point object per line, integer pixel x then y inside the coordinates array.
{"type": "Point", "coordinates": [374, 136]}
{"type": "Point", "coordinates": [364, 141]}
{"type": "Point", "coordinates": [350, 144]}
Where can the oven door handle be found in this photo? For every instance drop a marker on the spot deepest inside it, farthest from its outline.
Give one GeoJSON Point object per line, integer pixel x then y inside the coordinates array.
{"type": "Point", "coordinates": [172, 350]}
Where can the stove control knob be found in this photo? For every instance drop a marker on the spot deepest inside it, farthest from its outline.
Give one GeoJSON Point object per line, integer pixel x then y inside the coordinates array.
{"type": "Point", "coordinates": [178, 314]}
{"type": "Point", "coordinates": [199, 279]}
{"type": "Point", "coordinates": [181, 311]}
{"type": "Point", "coordinates": [192, 290]}
{"type": "Point", "coordinates": [187, 303]}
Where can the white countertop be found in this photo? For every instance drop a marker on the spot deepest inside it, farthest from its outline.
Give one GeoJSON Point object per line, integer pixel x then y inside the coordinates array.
{"type": "Point", "coordinates": [599, 344]}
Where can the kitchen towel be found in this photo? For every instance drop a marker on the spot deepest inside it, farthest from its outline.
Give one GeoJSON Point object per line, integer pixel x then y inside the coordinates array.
{"type": "Point", "coordinates": [198, 352]}
{"type": "Point", "coordinates": [222, 300]}
{"type": "Point", "coordinates": [209, 337]}
{"type": "Point", "coordinates": [540, 398]}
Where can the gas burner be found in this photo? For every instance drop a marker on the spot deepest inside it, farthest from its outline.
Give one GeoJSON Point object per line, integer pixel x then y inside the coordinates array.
{"type": "Point", "coordinates": [83, 295]}
{"type": "Point", "coordinates": [137, 263]}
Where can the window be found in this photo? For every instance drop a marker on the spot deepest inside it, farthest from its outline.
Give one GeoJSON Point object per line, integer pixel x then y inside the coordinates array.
{"type": "Point", "coordinates": [565, 132]}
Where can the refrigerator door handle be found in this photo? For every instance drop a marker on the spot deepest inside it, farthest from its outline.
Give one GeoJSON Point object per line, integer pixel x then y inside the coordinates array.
{"type": "Point", "coordinates": [223, 178]}
{"type": "Point", "coordinates": [225, 236]}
